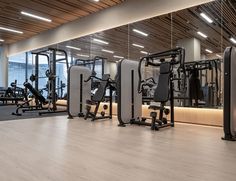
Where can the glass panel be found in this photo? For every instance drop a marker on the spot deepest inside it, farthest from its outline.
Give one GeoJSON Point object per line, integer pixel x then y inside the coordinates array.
{"type": "Point", "coordinates": [17, 69]}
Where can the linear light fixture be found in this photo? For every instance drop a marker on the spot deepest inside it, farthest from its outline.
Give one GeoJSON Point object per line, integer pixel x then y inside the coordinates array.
{"type": "Point", "coordinates": [140, 32]}
{"type": "Point", "coordinates": [143, 52]}
{"type": "Point", "coordinates": [10, 30]}
{"type": "Point", "coordinates": [1, 40]}
{"type": "Point", "coordinates": [209, 51]}
{"type": "Point", "coordinates": [83, 55]}
{"type": "Point", "coordinates": [35, 16]}
{"type": "Point", "coordinates": [218, 55]}
{"type": "Point", "coordinates": [137, 45]}
{"type": "Point", "coordinates": [108, 51]}
{"type": "Point", "coordinates": [100, 41]}
{"type": "Point", "coordinates": [71, 47]}
{"type": "Point", "coordinates": [233, 40]}
{"type": "Point", "coordinates": [207, 18]}
{"type": "Point", "coordinates": [115, 56]}
{"type": "Point", "coordinates": [202, 34]}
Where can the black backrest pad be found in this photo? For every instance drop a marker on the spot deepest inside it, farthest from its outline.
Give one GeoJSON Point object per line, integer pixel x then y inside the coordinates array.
{"type": "Point", "coordinates": [162, 91]}
{"type": "Point", "coordinates": [100, 93]}
{"type": "Point", "coordinates": [36, 94]}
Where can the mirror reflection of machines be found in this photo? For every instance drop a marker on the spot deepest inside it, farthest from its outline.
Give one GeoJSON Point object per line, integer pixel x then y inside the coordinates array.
{"type": "Point", "coordinates": [203, 87]}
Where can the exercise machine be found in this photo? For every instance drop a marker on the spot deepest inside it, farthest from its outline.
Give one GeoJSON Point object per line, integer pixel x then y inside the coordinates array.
{"type": "Point", "coordinates": [12, 94]}
{"type": "Point", "coordinates": [203, 83]}
{"type": "Point", "coordinates": [36, 95]}
{"type": "Point", "coordinates": [78, 91]}
{"type": "Point", "coordinates": [51, 76]}
{"type": "Point", "coordinates": [98, 97]}
{"type": "Point", "coordinates": [130, 97]}
{"type": "Point", "coordinates": [229, 109]}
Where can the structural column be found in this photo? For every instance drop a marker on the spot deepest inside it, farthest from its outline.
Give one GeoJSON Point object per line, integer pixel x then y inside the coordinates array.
{"type": "Point", "coordinates": [3, 66]}
{"type": "Point", "coordinates": [192, 49]}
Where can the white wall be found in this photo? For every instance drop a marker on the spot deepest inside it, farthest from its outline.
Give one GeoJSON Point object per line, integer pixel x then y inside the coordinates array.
{"type": "Point", "coordinates": [128, 12]}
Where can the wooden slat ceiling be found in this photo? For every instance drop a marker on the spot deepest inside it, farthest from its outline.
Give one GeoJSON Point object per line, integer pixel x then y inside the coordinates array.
{"type": "Point", "coordinates": [59, 11]}
{"type": "Point", "coordinates": [164, 31]}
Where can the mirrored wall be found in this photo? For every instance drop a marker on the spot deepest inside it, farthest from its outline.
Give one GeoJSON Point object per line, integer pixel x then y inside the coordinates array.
{"type": "Point", "coordinates": [204, 31]}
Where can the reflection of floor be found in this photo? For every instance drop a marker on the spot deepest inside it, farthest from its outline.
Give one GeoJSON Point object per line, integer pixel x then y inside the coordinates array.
{"type": "Point", "coordinates": [58, 149]}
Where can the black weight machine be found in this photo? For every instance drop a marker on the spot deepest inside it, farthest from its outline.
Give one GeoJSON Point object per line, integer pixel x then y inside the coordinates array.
{"type": "Point", "coordinates": [40, 103]}
{"type": "Point", "coordinates": [14, 94]}
{"type": "Point", "coordinates": [100, 95]}
{"type": "Point", "coordinates": [51, 74]}
{"type": "Point", "coordinates": [92, 64]}
{"type": "Point", "coordinates": [208, 92]}
{"type": "Point", "coordinates": [164, 92]}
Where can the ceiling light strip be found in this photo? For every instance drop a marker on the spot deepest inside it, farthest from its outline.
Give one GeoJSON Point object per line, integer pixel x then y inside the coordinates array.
{"type": "Point", "coordinates": [140, 32]}
{"type": "Point", "coordinates": [71, 47]}
{"type": "Point", "coordinates": [11, 30]}
{"type": "Point", "coordinates": [137, 45]}
{"type": "Point", "coordinates": [35, 16]}
{"type": "Point", "coordinates": [108, 51]}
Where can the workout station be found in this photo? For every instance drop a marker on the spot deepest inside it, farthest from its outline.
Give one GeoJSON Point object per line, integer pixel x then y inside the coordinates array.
{"type": "Point", "coordinates": [118, 90]}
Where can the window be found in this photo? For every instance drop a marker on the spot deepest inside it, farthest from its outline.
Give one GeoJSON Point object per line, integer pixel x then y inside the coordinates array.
{"type": "Point", "coordinates": [17, 69]}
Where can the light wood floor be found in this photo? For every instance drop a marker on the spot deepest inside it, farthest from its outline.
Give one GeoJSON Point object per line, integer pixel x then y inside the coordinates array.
{"type": "Point", "coordinates": [58, 149]}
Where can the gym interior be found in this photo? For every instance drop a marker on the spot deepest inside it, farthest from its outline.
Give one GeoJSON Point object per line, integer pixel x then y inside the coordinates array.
{"type": "Point", "coordinates": [130, 90]}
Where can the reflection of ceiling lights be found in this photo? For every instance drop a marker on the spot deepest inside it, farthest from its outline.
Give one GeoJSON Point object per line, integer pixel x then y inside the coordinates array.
{"type": "Point", "coordinates": [35, 16]}
{"type": "Point", "coordinates": [96, 0]}
{"type": "Point", "coordinates": [233, 40]}
{"type": "Point", "coordinates": [1, 40]}
{"type": "Point", "coordinates": [100, 41]}
{"type": "Point", "coordinates": [209, 51]}
{"type": "Point", "coordinates": [82, 55]}
{"type": "Point", "coordinates": [143, 52]}
{"type": "Point", "coordinates": [140, 32]}
{"type": "Point", "coordinates": [71, 47]}
{"type": "Point", "coordinates": [202, 34]}
{"type": "Point", "coordinates": [207, 18]}
{"type": "Point", "coordinates": [137, 45]}
{"type": "Point", "coordinates": [218, 56]}
{"type": "Point", "coordinates": [10, 30]}
{"type": "Point", "coordinates": [108, 51]}
{"type": "Point", "coordinates": [115, 56]}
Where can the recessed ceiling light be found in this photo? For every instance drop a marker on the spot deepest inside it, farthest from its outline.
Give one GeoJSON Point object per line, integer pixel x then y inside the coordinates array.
{"type": "Point", "coordinates": [71, 47]}
{"type": "Point", "coordinates": [82, 55]}
{"type": "Point", "coordinates": [11, 30]}
{"type": "Point", "coordinates": [143, 52]}
{"type": "Point", "coordinates": [202, 34]}
{"type": "Point", "coordinates": [100, 41]}
{"type": "Point", "coordinates": [108, 51]}
{"type": "Point", "coordinates": [233, 40]}
{"type": "Point", "coordinates": [207, 18]}
{"type": "Point", "coordinates": [140, 32]}
{"type": "Point", "coordinates": [218, 55]}
{"type": "Point", "coordinates": [137, 45]}
{"type": "Point", "coordinates": [209, 51]}
{"type": "Point", "coordinates": [115, 56]}
{"type": "Point", "coordinates": [1, 40]}
{"type": "Point", "coordinates": [35, 16]}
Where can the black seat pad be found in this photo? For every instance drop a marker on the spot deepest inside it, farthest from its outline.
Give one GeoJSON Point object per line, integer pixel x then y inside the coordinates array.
{"type": "Point", "coordinates": [100, 93]}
